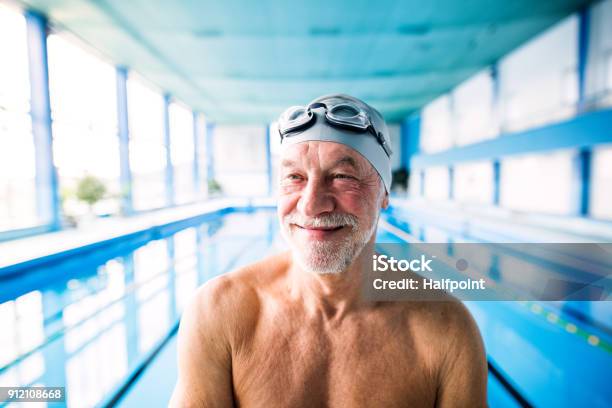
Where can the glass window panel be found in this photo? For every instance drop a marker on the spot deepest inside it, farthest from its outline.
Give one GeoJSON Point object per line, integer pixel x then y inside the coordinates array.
{"type": "Point", "coordinates": [473, 183]}
{"type": "Point", "coordinates": [246, 173]}
{"type": "Point", "coordinates": [84, 111]}
{"type": "Point", "coordinates": [437, 126]}
{"type": "Point", "coordinates": [601, 183]}
{"type": "Point", "coordinates": [147, 150]}
{"type": "Point", "coordinates": [599, 72]}
{"type": "Point", "coordinates": [17, 154]}
{"type": "Point", "coordinates": [414, 183]}
{"type": "Point", "coordinates": [538, 183]}
{"type": "Point", "coordinates": [436, 183]}
{"type": "Point", "coordinates": [609, 72]}
{"type": "Point", "coordinates": [182, 152]}
{"type": "Point", "coordinates": [474, 112]}
{"type": "Point", "coordinates": [202, 162]}
{"type": "Point", "coordinates": [538, 82]}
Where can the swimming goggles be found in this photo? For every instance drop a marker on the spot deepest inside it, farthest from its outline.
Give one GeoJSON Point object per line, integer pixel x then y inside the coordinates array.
{"type": "Point", "coordinates": [342, 115]}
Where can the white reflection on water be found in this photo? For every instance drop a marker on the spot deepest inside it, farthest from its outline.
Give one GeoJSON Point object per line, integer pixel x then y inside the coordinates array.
{"type": "Point", "coordinates": [150, 263]}
{"type": "Point", "coordinates": [93, 310]}
{"type": "Point", "coordinates": [22, 330]}
{"type": "Point", "coordinates": [153, 320]}
{"type": "Point", "coordinates": [185, 265]}
{"type": "Point", "coordinates": [96, 368]}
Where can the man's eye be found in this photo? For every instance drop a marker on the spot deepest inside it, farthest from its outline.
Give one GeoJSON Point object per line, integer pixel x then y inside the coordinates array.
{"type": "Point", "coordinates": [294, 177]}
{"type": "Point", "coordinates": [343, 176]}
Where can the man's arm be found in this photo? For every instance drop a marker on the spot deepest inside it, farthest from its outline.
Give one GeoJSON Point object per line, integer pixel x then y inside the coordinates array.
{"type": "Point", "coordinates": [204, 352]}
{"type": "Point", "coordinates": [463, 380]}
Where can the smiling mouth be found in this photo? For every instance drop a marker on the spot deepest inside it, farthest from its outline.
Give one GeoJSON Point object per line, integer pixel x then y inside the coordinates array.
{"type": "Point", "coordinates": [323, 229]}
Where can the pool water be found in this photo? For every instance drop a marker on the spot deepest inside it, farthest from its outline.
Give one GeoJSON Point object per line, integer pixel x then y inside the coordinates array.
{"type": "Point", "coordinates": [93, 323]}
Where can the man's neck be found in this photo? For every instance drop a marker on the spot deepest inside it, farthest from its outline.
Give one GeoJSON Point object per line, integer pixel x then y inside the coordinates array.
{"type": "Point", "coordinates": [332, 295]}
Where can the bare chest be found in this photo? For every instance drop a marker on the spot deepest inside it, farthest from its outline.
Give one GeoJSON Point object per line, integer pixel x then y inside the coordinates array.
{"type": "Point", "coordinates": [366, 361]}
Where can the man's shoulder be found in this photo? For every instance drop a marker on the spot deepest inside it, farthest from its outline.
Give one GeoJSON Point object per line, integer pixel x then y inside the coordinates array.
{"type": "Point", "coordinates": [449, 313]}
{"type": "Point", "coordinates": [443, 324]}
{"type": "Point", "coordinates": [454, 346]}
{"type": "Point", "coordinates": [235, 297]}
{"type": "Point", "coordinates": [249, 280]}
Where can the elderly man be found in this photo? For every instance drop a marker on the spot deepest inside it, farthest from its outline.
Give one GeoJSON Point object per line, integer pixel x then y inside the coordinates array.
{"type": "Point", "coordinates": [294, 330]}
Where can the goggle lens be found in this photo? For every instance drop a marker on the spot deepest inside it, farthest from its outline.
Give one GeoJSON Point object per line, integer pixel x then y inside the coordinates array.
{"type": "Point", "coordinates": [348, 115]}
{"type": "Point", "coordinates": [293, 118]}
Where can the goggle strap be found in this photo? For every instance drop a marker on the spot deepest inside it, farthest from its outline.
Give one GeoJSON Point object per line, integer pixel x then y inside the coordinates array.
{"type": "Point", "coordinates": [383, 142]}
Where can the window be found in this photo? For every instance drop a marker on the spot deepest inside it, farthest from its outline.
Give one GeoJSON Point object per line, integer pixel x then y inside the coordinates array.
{"type": "Point", "coordinates": [147, 150]}
{"type": "Point", "coordinates": [202, 131]}
{"type": "Point", "coordinates": [474, 110]}
{"type": "Point", "coordinates": [246, 173]}
{"type": "Point", "coordinates": [538, 183]}
{"type": "Point", "coordinates": [437, 183]}
{"type": "Point", "coordinates": [601, 183]}
{"type": "Point", "coordinates": [473, 183]}
{"type": "Point", "coordinates": [414, 183]}
{"type": "Point", "coordinates": [599, 81]}
{"type": "Point", "coordinates": [538, 82]}
{"type": "Point", "coordinates": [437, 125]}
{"type": "Point", "coordinates": [182, 152]}
{"type": "Point", "coordinates": [84, 112]}
{"type": "Point", "coordinates": [17, 154]}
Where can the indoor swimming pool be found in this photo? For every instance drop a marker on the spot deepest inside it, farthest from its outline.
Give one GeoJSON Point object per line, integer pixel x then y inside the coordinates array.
{"type": "Point", "coordinates": [89, 323]}
{"type": "Point", "coordinates": [145, 147]}
{"type": "Point", "coordinates": [102, 322]}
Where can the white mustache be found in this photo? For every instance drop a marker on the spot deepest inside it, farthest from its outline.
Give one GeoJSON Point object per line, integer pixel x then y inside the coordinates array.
{"type": "Point", "coordinates": [333, 220]}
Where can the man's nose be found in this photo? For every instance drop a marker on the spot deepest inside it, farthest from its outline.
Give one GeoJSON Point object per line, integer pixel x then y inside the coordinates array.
{"type": "Point", "coordinates": [315, 199]}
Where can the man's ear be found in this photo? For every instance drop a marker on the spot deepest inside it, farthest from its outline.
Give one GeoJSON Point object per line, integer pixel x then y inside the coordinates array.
{"type": "Point", "coordinates": [385, 201]}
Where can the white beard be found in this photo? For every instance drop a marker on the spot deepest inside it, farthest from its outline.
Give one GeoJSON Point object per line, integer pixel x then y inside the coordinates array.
{"type": "Point", "coordinates": [328, 256]}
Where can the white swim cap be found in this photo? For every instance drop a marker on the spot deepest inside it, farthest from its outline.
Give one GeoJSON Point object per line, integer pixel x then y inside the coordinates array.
{"type": "Point", "coordinates": [342, 119]}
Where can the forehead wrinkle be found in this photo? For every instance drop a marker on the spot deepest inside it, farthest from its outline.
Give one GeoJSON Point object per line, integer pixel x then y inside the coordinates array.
{"type": "Point", "coordinates": [347, 156]}
{"type": "Point", "coordinates": [296, 156]}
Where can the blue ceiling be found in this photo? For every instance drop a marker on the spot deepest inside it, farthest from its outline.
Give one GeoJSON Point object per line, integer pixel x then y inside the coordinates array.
{"type": "Point", "coordinates": [244, 61]}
